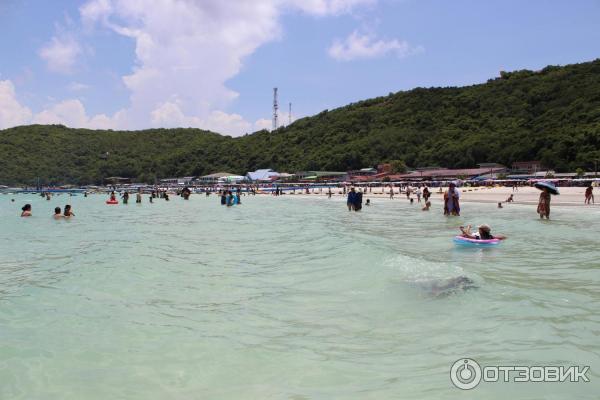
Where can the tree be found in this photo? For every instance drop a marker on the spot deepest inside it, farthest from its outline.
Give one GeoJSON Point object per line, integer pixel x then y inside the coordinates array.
{"type": "Point", "coordinates": [398, 166]}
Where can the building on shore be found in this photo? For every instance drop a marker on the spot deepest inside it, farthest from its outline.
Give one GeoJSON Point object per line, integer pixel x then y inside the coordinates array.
{"type": "Point", "coordinates": [213, 178]}
{"type": "Point", "coordinates": [263, 175]}
{"type": "Point", "coordinates": [321, 176]}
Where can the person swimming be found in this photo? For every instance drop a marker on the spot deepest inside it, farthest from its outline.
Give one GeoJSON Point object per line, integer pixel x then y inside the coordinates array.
{"type": "Point", "coordinates": [368, 203]}
{"type": "Point", "coordinates": [68, 213]}
{"type": "Point", "coordinates": [500, 205]}
{"type": "Point", "coordinates": [427, 206]}
{"type": "Point", "coordinates": [26, 210]}
{"type": "Point", "coordinates": [484, 232]}
{"type": "Point", "coordinates": [57, 214]}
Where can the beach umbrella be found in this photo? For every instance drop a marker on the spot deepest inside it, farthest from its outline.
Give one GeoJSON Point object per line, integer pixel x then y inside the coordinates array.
{"type": "Point", "coordinates": [546, 185]}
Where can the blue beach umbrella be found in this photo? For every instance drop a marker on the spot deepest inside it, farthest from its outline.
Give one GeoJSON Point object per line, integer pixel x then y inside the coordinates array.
{"type": "Point", "coordinates": [547, 185]}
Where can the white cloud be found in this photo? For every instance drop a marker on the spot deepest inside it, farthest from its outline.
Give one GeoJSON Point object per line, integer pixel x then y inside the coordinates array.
{"type": "Point", "coordinates": [60, 54]}
{"type": "Point", "coordinates": [329, 7]}
{"type": "Point", "coordinates": [357, 46]}
{"type": "Point", "coordinates": [185, 53]}
{"type": "Point", "coordinates": [72, 113]}
{"type": "Point", "coordinates": [12, 113]}
{"type": "Point", "coordinates": [182, 68]}
{"type": "Point", "coordinates": [263, 123]}
{"type": "Point", "coordinates": [77, 86]}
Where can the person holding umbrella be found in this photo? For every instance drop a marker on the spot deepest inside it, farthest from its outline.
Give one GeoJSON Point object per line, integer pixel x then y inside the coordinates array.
{"type": "Point", "coordinates": [543, 208]}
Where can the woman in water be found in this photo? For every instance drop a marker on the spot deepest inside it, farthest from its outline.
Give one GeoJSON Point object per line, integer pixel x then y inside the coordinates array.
{"type": "Point", "coordinates": [426, 193]}
{"type": "Point", "coordinates": [451, 203]}
{"type": "Point", "coordinates": [125, 197]}
{"type": "Point", "coordinates": [543, 208]}
{"type": "Point", "coordinates": [113, 197]}
{"type": "Point", "coordinates": [484, 232]}
{"type": "Point", "coordinates": [68, 213]}
{"type": "Point", "coordinates": [26, 210]}
{"type": "Point", "coordinates": [57, 213]}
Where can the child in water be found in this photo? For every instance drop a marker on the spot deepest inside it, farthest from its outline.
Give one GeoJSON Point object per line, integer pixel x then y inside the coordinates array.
{"type": "Point", "coordinates": [427, 206]}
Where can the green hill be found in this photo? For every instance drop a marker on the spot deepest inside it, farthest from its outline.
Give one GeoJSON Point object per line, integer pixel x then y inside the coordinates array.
{"type": "Point", "coordinates": [552, 115]}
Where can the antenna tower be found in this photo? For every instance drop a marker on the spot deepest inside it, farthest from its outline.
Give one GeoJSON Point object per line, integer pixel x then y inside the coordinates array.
{"type": "Point", "coordinates": [275, 109]}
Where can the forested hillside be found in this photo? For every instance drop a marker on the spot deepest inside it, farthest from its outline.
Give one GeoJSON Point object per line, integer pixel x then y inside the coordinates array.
{"type": "Point", "coordinates": [552, 115]}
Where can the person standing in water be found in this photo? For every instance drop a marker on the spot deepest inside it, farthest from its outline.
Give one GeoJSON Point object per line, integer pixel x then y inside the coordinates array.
{"type": "Point", "coordinates": [57, 214]}
{"type": "Point", "coordinates": [138, 196]}
{"type": "Point", "coordinates": [125, 197]}
{"type": "Point", "coordinates": [451, 203]}
{"type": "Point", "coordinates": [351, 199]}
{"type": "Point", "coordinates": [426, 194]}
{"type": "Point", "coordinates": [26, 210]}
{"type": "Point", "coordinates": [589, 195]}
{"type": "Point", "coordinates": [68, 213]}
{"type": "Point", "coordinates": [358, 198]}
{"type": "Point", "coordinates": [543, 208]}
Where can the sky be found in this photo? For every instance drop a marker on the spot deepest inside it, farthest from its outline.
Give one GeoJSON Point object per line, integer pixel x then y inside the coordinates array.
{"type": "Point", "coordinates": [213, 64]}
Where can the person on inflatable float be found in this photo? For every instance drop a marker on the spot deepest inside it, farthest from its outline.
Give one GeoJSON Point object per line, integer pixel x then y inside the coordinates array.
{"type": "Point", "coordinates": [484, 232]}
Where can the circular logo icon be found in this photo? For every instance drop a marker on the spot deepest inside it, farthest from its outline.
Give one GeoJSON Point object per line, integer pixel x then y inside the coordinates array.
{"type": "Point", "coordinates": [465, 373]}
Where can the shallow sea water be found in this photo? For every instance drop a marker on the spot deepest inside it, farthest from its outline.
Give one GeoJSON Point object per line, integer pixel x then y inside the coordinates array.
{"type": "Point", "coordinates": [289, 298]}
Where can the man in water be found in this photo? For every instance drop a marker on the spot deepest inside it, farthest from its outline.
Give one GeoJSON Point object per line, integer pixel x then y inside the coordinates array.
{"type": "Point", "coordinates": [451, 203]}
{"type": "Point", "coordinates": [57, 214]}
{"type": "Point", "coordinates": [351, 199]}
{"type": "Point", "coordinates": [26, 210]}
{"type": "Point", "coordinates": [358, 201]}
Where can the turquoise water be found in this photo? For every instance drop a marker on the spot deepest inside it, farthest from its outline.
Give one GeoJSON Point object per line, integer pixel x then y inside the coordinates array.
{"type": "Point", "coordinates": [289, 298]}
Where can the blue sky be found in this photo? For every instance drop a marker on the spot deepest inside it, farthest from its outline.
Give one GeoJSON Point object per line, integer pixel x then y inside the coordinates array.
{"type": "Point", "coordinates": [133, 64]}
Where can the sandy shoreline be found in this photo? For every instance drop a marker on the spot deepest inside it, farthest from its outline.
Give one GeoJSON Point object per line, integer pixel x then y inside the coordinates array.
{"type": "Point", "coordinates": [569, 196]}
